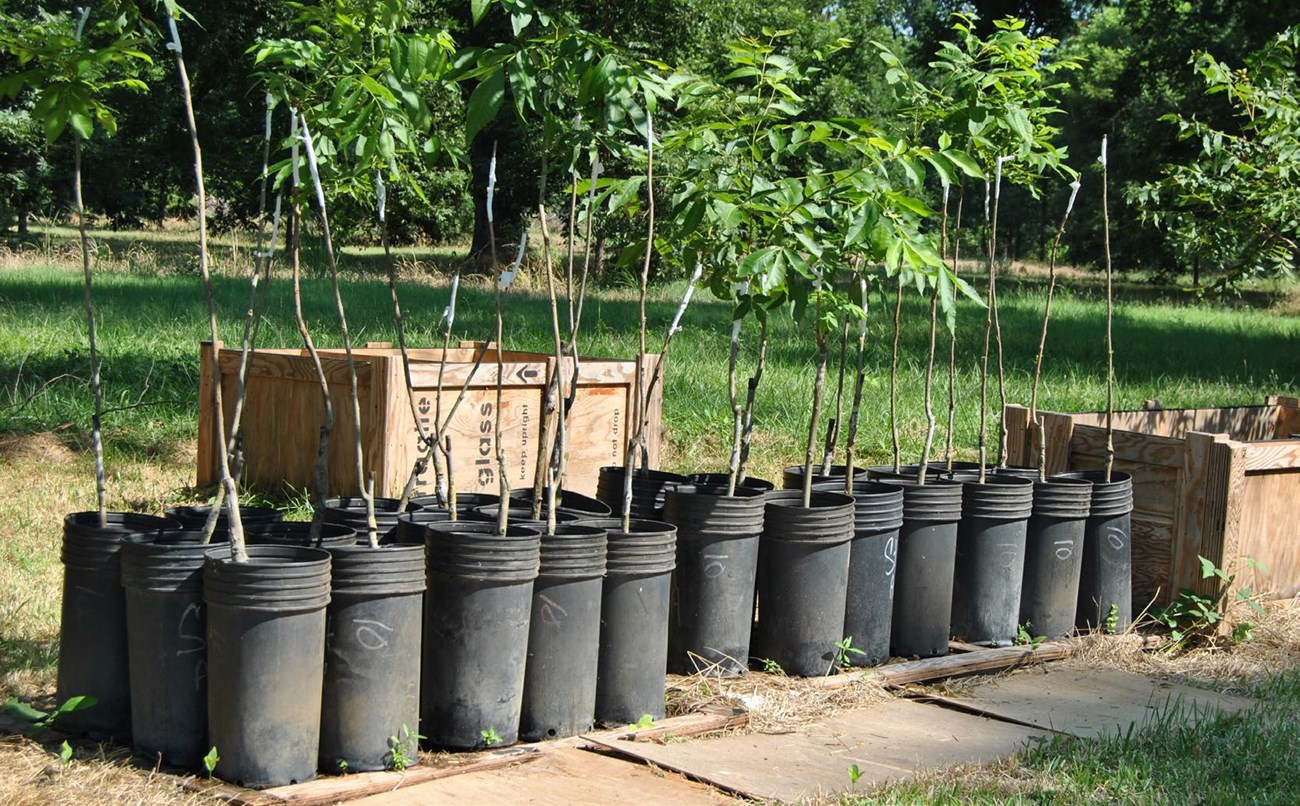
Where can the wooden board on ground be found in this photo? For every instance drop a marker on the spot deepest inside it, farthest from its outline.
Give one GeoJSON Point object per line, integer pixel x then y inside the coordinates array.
{"type": "Point", "coordinates": [1088, 701]}
{"type": "Point", "coordinates": [890, 741]}
{"type": "Point", "coordinates": [568, 775]}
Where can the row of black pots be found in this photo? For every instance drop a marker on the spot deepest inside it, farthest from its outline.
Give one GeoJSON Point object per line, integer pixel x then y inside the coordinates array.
{"type": "Point", "coordinates": [278, 662]}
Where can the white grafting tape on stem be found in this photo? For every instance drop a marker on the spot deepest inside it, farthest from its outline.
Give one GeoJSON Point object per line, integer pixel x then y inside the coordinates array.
{"type": "Point", "coordinates": [275, 229]}
{"type": "Point", "coordinates": [311, 162]}
{"type": "Point", "coordinates": [946, 188]}
{"type": "Point", "coordinates": [449, 313]}
{"type": "Point", "coordinates": [81, 23]}
{"type": "Point", "coordinates": [508, 276]}
{"type": "Point", "coordinates": [686, 299]}
{"type": "Point", "coordinates": [1074, 191]}
{"type": "Point", "coordinates": [270, 107]}
{"type": "Point", "coordinates": [862, 287]}
{"type": "Point", "coordinates": [293, 145]}
{"type": "Point", "coordinates": [175, 45]}
{"type": "Point", "coordinates": [492, 182]}
{"type": "Point", "coordinates": [1103, 150]}
{"type": "Point", "coordinates": [997, 186]}
{"type": "Point", "coordinates": [988, 207]}
{"type": "Point", "coordinates": [381, 192]}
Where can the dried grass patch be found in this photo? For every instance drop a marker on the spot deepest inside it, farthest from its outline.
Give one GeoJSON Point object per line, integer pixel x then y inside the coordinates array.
{"type": "Point", "coordinates": [31, 773]}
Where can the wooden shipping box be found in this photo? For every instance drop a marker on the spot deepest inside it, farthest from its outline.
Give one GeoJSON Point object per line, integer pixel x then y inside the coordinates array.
{"type": "Point", "coordinates": [1222, 483]}
{"type": "Point", "coordinates": [284, 412]}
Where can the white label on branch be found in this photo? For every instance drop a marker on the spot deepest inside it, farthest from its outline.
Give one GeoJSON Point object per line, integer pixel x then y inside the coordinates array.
{"type": "Point", "coordinates": [946, 188]}
{"type": "Point", "coordinates": [270, 105]}
{"type": "Point", "coordinates": [381, 192]}
{"type": "Point", "coordinates": [1103, 150]}
{"type": "Point", "coordinates": [508, 276]}
{"type": "Point", "coordinates": [492, 181]}
{"type": "Point", "coordinates": [449, 313]}
{"type": "Point", "coordinates": [997, 186]}
{"type": "Point", "coordinates": [275, 229]}
{"type": "Point", "coordinates": [988, 193]}
{"type": "Point", "coordinates": [862, 287]}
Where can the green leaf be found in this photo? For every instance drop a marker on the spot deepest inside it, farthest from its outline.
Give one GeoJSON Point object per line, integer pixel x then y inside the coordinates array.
{"type": "Point", "coordinates": [478, 9]}
{"type": "Point", "coordinates": [82, 125]}
{"type": "Point", "coordinates": [23, 711]}
{"type": "Point", "coordinates": [484, 102]}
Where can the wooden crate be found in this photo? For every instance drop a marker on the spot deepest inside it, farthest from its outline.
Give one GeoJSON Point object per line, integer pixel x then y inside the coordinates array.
{"type": "Point", "coordinates": [1219, 483]}
{"type": "Point", "coordinates": [284, 413]}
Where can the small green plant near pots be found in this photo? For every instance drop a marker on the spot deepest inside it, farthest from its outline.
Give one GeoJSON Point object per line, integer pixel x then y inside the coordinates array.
{"type": "Point", "coordinates": [490, 737]}
{"type": "Point", "coordinates": [65, 753]}
{"type": "Point", "coordinates": [771, 667]}
{"type": "Point", "coordinates": [398, 759]}
{"type": "Point", "coordinates": [1026, 637]}
{"type": "Point", "coordinates": [855, 772]}
{"type": "Point", "coordinates": [210, 761]}
{"type": "Point", "coordinates": [1195, 616]}
{"type": "Point", "coordinates": [38, 720]}
{"type": "Point", "coordinates": [1111, 622]}
{"type": "Point", "coordinates": [845, 651]}
{"type": "Point", "coordinates": [646, 721]}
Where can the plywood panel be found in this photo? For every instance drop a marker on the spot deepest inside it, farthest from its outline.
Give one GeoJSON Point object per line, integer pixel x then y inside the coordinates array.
{"type": "Point", "coordinates": [1270, 508]}
{"type": "Point", "coordinates": [1129, 447]}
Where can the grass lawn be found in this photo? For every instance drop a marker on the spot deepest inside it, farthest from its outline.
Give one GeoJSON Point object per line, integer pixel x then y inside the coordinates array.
{"type": "Point", "coordinates": [151, 319]}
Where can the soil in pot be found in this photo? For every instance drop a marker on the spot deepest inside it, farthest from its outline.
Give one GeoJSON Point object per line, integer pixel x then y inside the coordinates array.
{"type": "Point", "coordinates": [162, 575]}
{"type": "Point", "coordinates": [990, 559]}
{"type": "Point", "coordinates": [792, 477]}
{"type": "Point", "coordinates": [722, 479]}
{"type": "Point", "coordinates": [370, 709]}
{"type": "Point", "coordinates": [266, 653]}
{"type": "Point", "coordinates": [564, 635]}
{"type": "Point", "coordinates": [520, 516]}
{"type": "Point", "coordinates": [803, 581]}
{"type": "Point", "coordinates": [194, 517]}
{"type": "Point", "coordinates": [584, 506]}
{"type": "Point", "coordinates": [1106, 576]}
{"type": "Point", "coordinates": [927, 552]}
{"type": "Point", "coordinates": [476, 619]}
{"type": "Point", "coordinates": [634, 619]}
{"type": "Point", "coordinates": [712, 613]}
{"type": "Point", "coordinates": [648, 490]}
{"type": "Point", "coordinates": [1054, 556]}
{"type": "Point", "coordinates": [93, 655]}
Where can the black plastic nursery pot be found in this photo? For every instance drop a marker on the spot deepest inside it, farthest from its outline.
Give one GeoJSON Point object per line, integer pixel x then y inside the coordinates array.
{"type": "Point", "coordinates": [927, 553]}
{"type": "Point", "coordinates": [584, 506]}
{"type": "Point", "coordinates": [712, 613]}
{"type": "Point", "coordinates": [1106, 576]}
{"type": "Point", "coordinates": [93, 655]}
{"type": "Point", "coordinates": [476, 619]}
{"type": "Point", "coordinates": [722, 479]}
{"type": "Point", "coordinates": [648, 490]}
{"type": "Point", "coordinates": [904, 472]}
{"type": "Point", "coordinates": [792, 477]}
{"type": "Point", "coordinates": [564, 635]}
{"type": "Point", "coordinates": [1054, 556]}
{"type": "Point", "coordinates": [990, 559]}
{"type": "Point", "coordinates": [873, 561]}
{"type": "Point", "coordinates": [266, 652]}
{"type": "Point", "coordinates": [464, 501]}
{"type": "Point", "coordinates": [194, 517]}
{"type": "Point", "coordinates": [520, 515]}
{"type": "Point", "coordinates": [411, 525]}
{"type": "Point", "coordinates": [634, 619]}
{"type": "Point", "coordinates": [166, 622]}
{"type": "Point", "coordinates": [370, 708]}
{"type": "Point", "coordinates": [803, 580]}
{"type": "Point", "coordinates": [351, 512]}
{"type": "Point", "coordinates": [298, 533]}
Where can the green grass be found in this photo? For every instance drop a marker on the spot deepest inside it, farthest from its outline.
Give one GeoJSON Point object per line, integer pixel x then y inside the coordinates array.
{"type": "Point", "coordinates": [1168, 348]}
{"type": "Point", "coordinates": [1247, 757]}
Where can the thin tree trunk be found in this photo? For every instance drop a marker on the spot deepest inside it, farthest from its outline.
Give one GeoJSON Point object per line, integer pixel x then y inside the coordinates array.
{"type": "Point", "coordinates": [1034, 421]}
{"type": "Point", "coordinates": [640, 393]}
{"type": "Point", "coordinates": [751, 394]}
{"type": "Point", "coordinates": [737, 410]}
{"type": "Point", "coordinates": [997, 320]}
{"type": "Point", "coordinates": [952, 339]}
{"type": "Point", "coordinates": [552, 468]}
{"type": "Point", "coordinates": [833, 427]}
{"type": "Point", "coordinates": [859, 380]}
{"type": "Point", "coordinates": [372, 528]}
{"type": "Point", "coordinates": [1110, 316]}
{"type": "Point", "coordinates": [893, 370]}
{"type": "Point", "coordinates": [819, 386]}
{"type": "Point", "coordinates": [236, 527]}
{"type": "Point", "coordinates": [97, 418]}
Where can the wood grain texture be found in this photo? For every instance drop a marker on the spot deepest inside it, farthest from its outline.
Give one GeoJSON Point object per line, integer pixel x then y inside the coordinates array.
{"type": "Point", "coordinates": [207, 472]}
{"type": "Point", "coordinates": [1270, 508]}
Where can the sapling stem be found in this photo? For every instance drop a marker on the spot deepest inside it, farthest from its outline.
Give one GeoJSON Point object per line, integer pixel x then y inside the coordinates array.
{"type": "Point", "coordinates": [96, 421]}
{"type": "Point", "coordinates": [952, 339]}
{"type": "Point", "coordinates": [372, 528]}
{"type": "Point", "coordinates": [1035, 422]}
{"type": "Point", "coordinates": [819, 386]}
{"type": "Point", "coordinates": [984, 361]}
{"type": "Point", "coordinates": [556, 386]}
{"type": "Point", "coordinates": [321, 484]}
{"type": "Point", "coordinates": [236, 527]}
{"type": "Point", "coordinates": [737, 410]}
{"type": "Point", "coordinates": [640, 394]}
{"type": "Point", "coordinates": [833, 426]}
{"type": "Point", "coordinates": [859, 380]}
{"type": "Point", "coordinates": [1110, 316]}
{"type": "Point", "coordinates": [751, 395]}
{"type": "Point", "coordinates": [893, 369]}
{"type": "Point", "coordinates": [997, 320]}
{"type": "Point", "coordinates": [930, 423]}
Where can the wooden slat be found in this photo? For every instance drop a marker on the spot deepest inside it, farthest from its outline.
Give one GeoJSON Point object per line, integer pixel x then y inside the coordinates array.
{"type": "Point", "coordinates": [277, 364]}
{"type": "Point", "coordinates": [1058, 430]}
{"type": "Point", "coordinates": [1129, 446]}
{"type": "Point", "coordinates": [1268, 534]}
{"type": "Point", "coordinates": [1276, 455]}
{"type": "Point", "coordinates": [1209, 510]}
{"type": "Point", "coordinates": [930, 669]}
{"type": "Point", "coordinates": [678, 727]}
{"type": "Point", "coordinates": [1020, 436]}
{"type": "Point", "coordinates": [1287, 425]}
